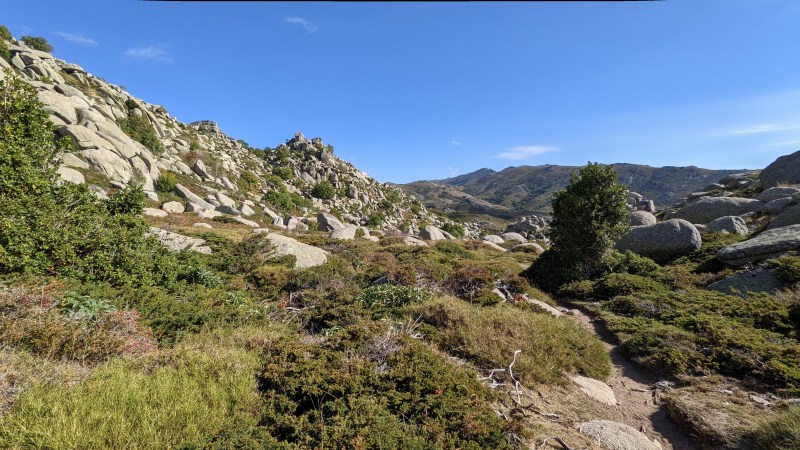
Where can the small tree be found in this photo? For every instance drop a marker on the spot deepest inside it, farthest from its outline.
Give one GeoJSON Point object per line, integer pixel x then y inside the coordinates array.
{"type": "Point", "coordinates": [37, 43]}
{"type": "Point", "coordinates": [588, 216]}
{"type": "Point", "coordinates": [323, 190]}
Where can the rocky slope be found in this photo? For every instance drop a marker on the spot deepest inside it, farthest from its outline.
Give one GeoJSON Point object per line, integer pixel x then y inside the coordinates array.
{"type": "Point", "coordinates": [216, 173]}
{"type": "Point", "coordinates": [528, 189]}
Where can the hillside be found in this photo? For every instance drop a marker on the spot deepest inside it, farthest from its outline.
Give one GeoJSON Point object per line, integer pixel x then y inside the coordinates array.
{"type": "Point", "coordinates": [528, 189]}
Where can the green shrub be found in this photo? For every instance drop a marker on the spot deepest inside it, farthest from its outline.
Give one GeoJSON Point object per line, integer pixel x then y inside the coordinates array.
{"type": "Point", "coordinates": [286, 201]}
{"type": "Point", "coordinates": [456, 229]}
{"type": "Point", "coordinates": [166, 182]}
{"type": "Point", "coordinates": [323, 190]}
{"type": "Point", "coordinates": [37, 43]}
{"type": "Point", "coordinates": [615, 284]}
{"type": "Point", "coordinates": [5, 35]}
{"type": "Point", "coordinates": [781, 432]}
{"type": "Point", "coordinates": [787, 269]}
{"type": "Point", "coordinates": [375, 219]}
{"type": "Point", "coordinates": [588, 216]}
{"type": "Point", "coordinates": [284, 172]}
{"type": "Point", "coordinates": [141, 130]}
{"type": "Point", "coordinates": [489, 337]}
{"type": "Point", "coordinates": [5, 53]}
{"type": "Point", "coordinates": [248, 181]}
{"type": "Point", "coordinates": [634, 264]}
{"type": "Point", "coordinates": [386, 299]}
{"type": "Point", "coordinates": [581, 290]}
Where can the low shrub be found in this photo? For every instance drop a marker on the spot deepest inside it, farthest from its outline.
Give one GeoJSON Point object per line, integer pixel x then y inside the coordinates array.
{"type": "Point", "coordinates": [166, 182]}
{"type": "Point", "coordinates": [616, 284]}
{"type": "Point", "coordinates": [37, 43]}
{"type": "Point", "coordinates": [323, 190]}
{"type": "Point", "coordinates": [284, 172]}
{"type": "Point", "coordinates": [5, 35]}
{"type": "Point", "coordinates": [456, 229]}
{"type": "Point", "coordinates": [139, 128]}
{"type": "Point", "coordinates": [787, 269]}
{"type": "Point", "coordinates": [386, 299]}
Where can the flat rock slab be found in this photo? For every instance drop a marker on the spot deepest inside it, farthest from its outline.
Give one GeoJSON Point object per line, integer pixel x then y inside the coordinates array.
{"type": "Point", "coordinates": [595, 389]}
{"type": "Point", "coordinates": [706, 209]}
{"type": "Point", "coordinates": [662, 241]}
{"type": "Point", "coordinates": [766, 245]}
{"type": "Point", "coordinates": [175, 242]}
{"type": "Point", "coordinates": [306, 255]}
{"type": "Point", "coordinates": [790, 216]}
{"type": "Point", "coordinates": [617, 436]}
{"type": "Point", "coordinates": [759, 280]}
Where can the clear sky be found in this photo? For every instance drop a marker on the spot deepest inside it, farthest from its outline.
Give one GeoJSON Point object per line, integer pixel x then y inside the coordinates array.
{"type": "Point", "coordinates": [410, 91]}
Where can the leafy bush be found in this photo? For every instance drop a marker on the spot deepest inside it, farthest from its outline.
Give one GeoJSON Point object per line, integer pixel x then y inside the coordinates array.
{"type": "Point", "coordinates": [248, 181]}
{"type": "Point", "coordinates": [588, 216]}
{"type": "Point", "coordinates": [323, 190]}
{"type": "Point", "coordinates": [5, 35]}
{"type": "Point", "coordinates": [385, 299]}
{"type": "Point", "coordinates": [615, 284]}
{"type": "Point", "coordinates": [141, 130]}
{"type": "Point", "coordinates": [285, 172]}
{"type": "Point", "coordinates": [37, 43]}
{"type": "Point", "coordinates": [787, 269]}
{"type": "Point", "coordinates": [5, 53]}
{"type": "Point", "coordinates": [166, 182]}
{"type": "Point", "coordinates": [375, 219]}
{"type": "Point", "coordinates": [85, 305]}
{"type": "Point", "coordinates": [489, 336]}
{"type": "Point", "coordinates": [286, 201]}
{"type": "Point", "coordinates": [456, 229]}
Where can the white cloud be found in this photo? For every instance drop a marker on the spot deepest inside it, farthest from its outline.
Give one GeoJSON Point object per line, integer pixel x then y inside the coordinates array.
{"type": "Point", "coordinates": [153, 54]}
{"type": "Point", "coordinates": [766, 128]}
{"type": "Point", "coordinates": [308, 26]}
{"type": "Point", "coordinates": [453, 171]}
{"type": "Point", "coordinates": [77, 38]}
{"type": "Point", "coordinates": [454, 142]}
{"type": "Point", "coordinates": [524, 152]}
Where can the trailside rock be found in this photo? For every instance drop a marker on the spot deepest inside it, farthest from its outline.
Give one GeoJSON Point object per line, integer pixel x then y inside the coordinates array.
{"type": "Point", "coordinates": [349, 233]}
{"type": "Point", "coordinates": [173, 207]}
{"type": "Point", "coordinates": [431, 233]}
{"type": "Point", "coordinates": [595, 389]}
{"type": "Point", "coordinates": [662, 241]}
{"type": "Point", "coordinates": [639, 218]}
{"type": "Point", "coordinates": [494, 246]}
{"type": "Point", "coordinates": [177, 242]}
{"type": "Point", "coordinates": [153, 212]}
{"type": "Point", "coordinates": [511, 236]}
{"type": "Point", "coordinates": [706, 209]}
{"type": "Point", "coordinates": [788, 217]}
{"type": "Point", "coordinates": [328, 222]}
{"type": "Point", "coordinates": [532, 247]}
{"type": "Point", "coordinates": [782, 170]}
{"type": "Point", "coordinates": [494, 239]}
{"type": "Point", "coordinates": [305, 255]}
{"type": "Point", "coordinates": [768, 244]}
{"type": "Point", "coordinates": [729, 224]}
{"type": "Point", "coordinates": [408, 240]}
{"type": "Point", "coordinates": [617, 436]}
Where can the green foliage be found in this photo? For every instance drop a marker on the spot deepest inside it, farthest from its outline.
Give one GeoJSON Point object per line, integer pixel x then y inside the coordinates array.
{"type": "Point", "coordinates": [456, 229]}
{"type": "Point", "coordinates": [286, 201]}
{"type": "Point", "coordinates": [37, 43]}
{"type": "Point", "coordinates": [388, 298]}
{"type": "Point", "coordinates": [248, 181]}
{"type": "Point", "coordinates": [490, 335]}
{"type": "Point", "coordinates": [375, 219]}
{"type": "Point", "coordinates": [85, 305]}
{"type": "Point", "coordinates": [284, 172]}
{"type": "Point", "coordinates": [5, 35]}
{"type": "Point", "coordinates": [615, 284]}
{"type": "Point", "coordinates": [781, 432]}
{"type": "Point", "coordinates": [5, 53]}
{"type": "Point", "coordinates": [588, 216]}
{"type": "Point", "coordinates": [166, 182]}
{"type": "Point", "coordinates": [139, 128]}
{"type": "Point", "coordinates": [64, 229]}
{"type": "Point", "coordinates": [787, 269]}
{"type": "Point", "coordinates": [323, 190]}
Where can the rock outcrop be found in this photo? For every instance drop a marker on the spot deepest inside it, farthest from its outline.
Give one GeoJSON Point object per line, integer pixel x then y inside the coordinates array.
{"type": "Point", "coordinates": [662, 241]}
{"type": "Point", "coordinates": [706, 209]}
{"type": "Point", "coordinates": [769, 244]}
{"type": "Point", "coordinates": [782, 170]}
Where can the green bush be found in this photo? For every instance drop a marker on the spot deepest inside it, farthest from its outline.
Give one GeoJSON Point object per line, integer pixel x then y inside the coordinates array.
{"type": "Point", "coordinates": [375, 219]}
{"type": "Point", "coordinates": [37, 43]}
{"type": "Point", "coordinates": [787, 269]}
{"type": "Point", "coordinates": [166, 182]}
{"type": "Point", "coordinates": [588, 216]}
{"type": "Point", "coordinates": [284, 172]}
{"type": "Point", "coordinates": [456, 229]}
{"type": "Point", "coordinates": [5, 53]}
{"type": "Point", "coordinates": [141, 130]}
{"type": "Point", "coordinates": [5, 34]}
{"type": "Point", "coordinates": [615, 284]}
{"type": "Point", "coordinates": [385, 299]}
{"type": "Point", "coordinates": [323, 190]}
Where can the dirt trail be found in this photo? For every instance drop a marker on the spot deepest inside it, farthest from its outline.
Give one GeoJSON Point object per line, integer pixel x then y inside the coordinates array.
{"type": "Point", "coordinates": [635, 390]}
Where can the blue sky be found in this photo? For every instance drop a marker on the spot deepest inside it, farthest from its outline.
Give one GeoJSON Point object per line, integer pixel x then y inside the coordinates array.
{"type": "Point", "coordinates": [411, 91]}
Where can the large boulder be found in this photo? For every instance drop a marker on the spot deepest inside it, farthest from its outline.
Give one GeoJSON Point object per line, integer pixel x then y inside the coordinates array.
{"type": "Point", "coordinates": [511, 236]}
{"type": "Point", "coordinates": [639, 218]}
{"type": "Point", "coordinates": [328, 222]}
{"type": "Point", "coordinates": [766, 245]}
{"type": "Point", "coordinates": [728, 224]}
{"type": "Point", "coordinates": [617, 436]}
{"type": "Point", "coordinates": [305, 255]}
{"type": "Point", "coordinates": [662, 241]}
{"type": "Point", "coordinates": [70, 175]}
{"type": "Point", "coordinates": [706, 209]}
{"type": "Point", "coordinates": [494, 239]}
{"type": "Point", "coordinates": [778, 205]}
{"type": "Point", "coordinates": [177, 242]}
{"type": "Point", "coordinates": [595, 389]}
{"type": "Point", "coordinates": [782, 170]}
{"type": "Point", "coordinates": [193, 198]}
{"type": "Point", "coordinates": [775, 193]}
{"type": "Point", "coordinates": [788, 217]}
{"type": "Point", "coordinates": [173, 207]}
{"type": "Point", "coordinates": [431, 233]}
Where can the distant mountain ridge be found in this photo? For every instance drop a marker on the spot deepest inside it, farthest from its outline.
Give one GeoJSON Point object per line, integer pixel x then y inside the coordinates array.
{"type": "Point", "coordinates": [521, 190]}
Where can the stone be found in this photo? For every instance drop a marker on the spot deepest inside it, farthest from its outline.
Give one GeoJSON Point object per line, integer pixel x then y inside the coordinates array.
{"type": "Point", "coordinates": [70, 175]}
{"type": "Point", "coordinates": [173, 207]}
{"type": "Point", "coordinates": [617, 436]}
{"type": "Point", "coordinates": [662, 241]}
{"type": "Point", "coordinates": [789, 216]}
{"type": "Point", "coordinates": [227, 183]}
{"type": "Point", "coordinates": [153, 212]}
{"type": "Point", "coordinates": [408, 240]}
{"type": "Point", "coordinates": [200, 169]}
{"type": "Point", "coordinates": [728, 224]}
{"type": "Point", "coordinates": [706, 209]}
{"type": "Point", "coordinates": [775, 193]}
{"type": "Point", "coordinates": [782, 170]}
{"type": "Point", "coordinates": [294, 224]}
{"type": "Point", "coordinates": [511, 236]}
{"type": "Point", "coordinates": [270, 213]}
{"type": "Point", "coordinates": [344, 234]}
{"type": "Point", "coordinates": [201, 225]}
{"type": "Point", "coordinates": [247, 211]}
{"type": "Point", "coordinates": [777, 206]}
{"type": "Point", "coordinates": [761, 279]}
{"type": "Point", "coordinates": [595, 389]}
{"type": "Point", "coordinates": [278, 222]}
{"type": "Point", "coordinates": [714, 187]}
{"type": "Point", "coordinates": [732, 180]}
{"type": "Point", "coordinates": [193, 198]}
{"type": "Point", "coordinates": [642, 218]}
{"type": "Point", "coordinates": [494, 246]}
{"type": "Point", "coordinates": [328, 222]}
{"type": "Point", "coordinates": [208, 213]}
{"type": "Point", "coordinates": [225, 200]}
{"type": "Point", "coordinates": [249, 223]}
{"type": "Point", "coordinates": [431, 233]}
{"type": "Point", "coordinates": [527, 246]}
{"type": "Point", "coordinates": [768, 244]}
{"type": "Point", "coordinates": [177, 242]}
{"type": "Point", "coordinates": [70, 160]}
{"type": "Point", "coordinates": [227, 210]}
{"type": "Point", "coordinates": [109, 163]}
{"type": "Point", "coordinates": [493, 238]}
{"type": "Point", "coordinates": [306, 255]}
{"type": "Point", "coordinates": [59, 106]}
